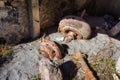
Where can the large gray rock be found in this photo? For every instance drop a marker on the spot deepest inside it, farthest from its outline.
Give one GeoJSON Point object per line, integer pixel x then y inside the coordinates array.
{"type": "Point", "coordinates": [25, 62]}
{"type": "Point", "coordinates": [49, 70]}
{"type": "Point", "coordinates": [100, 44]}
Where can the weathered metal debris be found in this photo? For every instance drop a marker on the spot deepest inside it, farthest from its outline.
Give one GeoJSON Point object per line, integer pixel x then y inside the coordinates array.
{"type": "Point", "coordinates": [88, 73]}
{"type": "Point", "coordinates": [50, 49]}
{"type": "Point", "coordinates": [73, 27]}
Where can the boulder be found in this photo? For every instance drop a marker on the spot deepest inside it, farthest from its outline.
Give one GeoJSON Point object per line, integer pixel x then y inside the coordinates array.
{"type": "Point", "coordinates": [26, 57]}
{"type": "Point", "coordinates": [49, 70]}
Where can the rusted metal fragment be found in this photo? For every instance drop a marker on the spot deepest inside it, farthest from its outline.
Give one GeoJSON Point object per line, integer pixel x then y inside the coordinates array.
{"type": "Point", "coordinates": [74, 28]}
{"type": "Point", "coordinates": [88, 73]}
{"type": "Point", "coordinates": [49, 49]}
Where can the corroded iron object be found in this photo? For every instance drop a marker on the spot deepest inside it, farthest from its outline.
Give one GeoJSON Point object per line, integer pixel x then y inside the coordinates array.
{"type": "Point", "coordinates": [88, 73]}
{"type": "Point", "coordinates": [74, 28]}
{"type": "Point", "coordinates": [49, 49]}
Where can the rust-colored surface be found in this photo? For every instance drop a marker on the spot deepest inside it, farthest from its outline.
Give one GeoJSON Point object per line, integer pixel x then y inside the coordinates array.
{"type": "Point", "coordinates": [74, 28]}
{"type": "Point", "coordinates": [49, 49]}
{"type": "Point", "coordinates": [88, 74]}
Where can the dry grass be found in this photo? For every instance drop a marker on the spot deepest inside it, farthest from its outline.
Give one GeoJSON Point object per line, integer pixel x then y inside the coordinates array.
{"type": "Point", "coordinates": [36, 77]}
{"type": "Point", "coordinates": [5, 53]}
{"type": "Point", "coordinates": [104, 68]}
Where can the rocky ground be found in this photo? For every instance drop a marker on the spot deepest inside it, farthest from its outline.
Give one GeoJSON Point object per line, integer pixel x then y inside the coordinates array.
{"type": "Point", "coordinates": [102, 51]}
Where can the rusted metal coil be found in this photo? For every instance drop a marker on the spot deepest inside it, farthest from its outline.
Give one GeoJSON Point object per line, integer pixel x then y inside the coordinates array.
{"type": "Point", "coordinates": [74, 28]}
{"type": "Point", "coordinates": [50, 49]}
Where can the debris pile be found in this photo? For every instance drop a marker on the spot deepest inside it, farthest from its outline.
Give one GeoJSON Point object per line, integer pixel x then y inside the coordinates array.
{"type": "Point", "coordinates": [74, 29]}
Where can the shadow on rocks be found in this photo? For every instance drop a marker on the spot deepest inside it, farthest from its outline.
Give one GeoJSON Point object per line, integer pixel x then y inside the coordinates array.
{"type": "Point", "coordinates": [63, 48]}
{"type": "Point", "coordinates": [5, 59]}
{"type": "Point", "coordinates": [91, 68]}
{"type": "Point", "coordinates": [69, 70]}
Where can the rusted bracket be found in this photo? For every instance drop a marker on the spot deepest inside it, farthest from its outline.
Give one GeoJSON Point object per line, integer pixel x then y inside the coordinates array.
{"type": "Point", "coordinates": [88, 73]}
{"type": "Point", "coordinates": [34, 18]}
